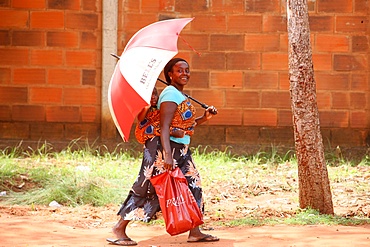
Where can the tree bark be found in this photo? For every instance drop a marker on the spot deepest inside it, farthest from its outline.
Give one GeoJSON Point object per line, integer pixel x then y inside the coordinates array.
{"type": "Point", "coordinates": [314, 185]}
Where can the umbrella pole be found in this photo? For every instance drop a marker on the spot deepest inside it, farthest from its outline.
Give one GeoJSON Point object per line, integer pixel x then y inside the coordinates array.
{"type": "Point", "coordinates": [205, 106]}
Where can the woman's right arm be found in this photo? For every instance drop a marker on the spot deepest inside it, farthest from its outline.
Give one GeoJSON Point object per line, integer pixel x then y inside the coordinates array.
{"type": "Point", "coordinates": [167, 111]}
{"type": "Point", "coordinates": [142, 113]}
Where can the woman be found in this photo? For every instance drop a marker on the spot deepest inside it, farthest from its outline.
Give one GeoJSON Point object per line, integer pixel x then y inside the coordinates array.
{"type": "Point", "coordinates": [165, 152]}
{"type": "Point", "coordinates": [177, 111]}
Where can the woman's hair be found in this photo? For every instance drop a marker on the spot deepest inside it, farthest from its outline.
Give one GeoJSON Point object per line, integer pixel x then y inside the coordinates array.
{"type": "Point", "coordinates": [169, 66]}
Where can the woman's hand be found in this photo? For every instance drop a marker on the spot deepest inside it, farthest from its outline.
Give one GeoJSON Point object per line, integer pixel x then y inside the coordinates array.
{"type": "Point", "coordinates": [209, 112]}
{"type": "Point", "coordinates": [168, 162]}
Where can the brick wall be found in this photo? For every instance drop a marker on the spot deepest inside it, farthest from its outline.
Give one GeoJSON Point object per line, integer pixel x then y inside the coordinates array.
{"type": "Point", "coordinates": [50, 66]}
{"type": "Point", "coordinates": [243, 67]}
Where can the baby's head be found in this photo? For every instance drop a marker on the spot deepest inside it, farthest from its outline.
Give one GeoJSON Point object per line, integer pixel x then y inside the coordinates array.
{"type": "Point", "coordinates": [154, 98]}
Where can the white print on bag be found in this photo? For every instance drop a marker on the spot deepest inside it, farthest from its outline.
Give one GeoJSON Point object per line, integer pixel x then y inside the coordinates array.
{"type": "Point", "coordinates": [177, 201]}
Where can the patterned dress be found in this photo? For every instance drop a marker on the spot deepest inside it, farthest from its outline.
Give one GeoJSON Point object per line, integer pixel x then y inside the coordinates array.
{"type": "Point", "coordinates": [142, 202]}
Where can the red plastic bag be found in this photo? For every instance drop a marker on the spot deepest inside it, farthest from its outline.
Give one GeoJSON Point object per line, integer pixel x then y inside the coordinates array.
{"type": "Point", "coordinates": [179, 208]}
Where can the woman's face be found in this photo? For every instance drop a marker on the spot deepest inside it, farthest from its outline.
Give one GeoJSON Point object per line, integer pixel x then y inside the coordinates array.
{"type": "Point", "coordinates": [154, 98]}
{"type": "Point", "coordinates": [180, 73]}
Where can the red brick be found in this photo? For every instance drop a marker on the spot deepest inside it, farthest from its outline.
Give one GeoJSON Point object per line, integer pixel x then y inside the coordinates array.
{"type": "Point", "coordinates": [243, 135]}
{"type": "Point", "coordinates": [83, 131]}
{"type": "Point", "coordinates": [80, 58]}
{"type": "Point", "coordinates": [243, 61]}
{"type": "Point", "coordinates": [326, 81]}
{"type": "Point", "coordinates": [148, 6]}
{"type": "Point", "coordinates": [242, 99]}
{"type": "Point", "coordinates": [260, 117]}
{"type": "Point", "coordinates": [339, 6]}
{"type": "Point", "coordinates": [352, 24]}
{"type": "Point", "coordinates": [64, 5]}
{"type": "Point", "coordinates": [62, 114]}
{"type": "Point", "coordinates": [10, 95]}
{"type": "Point", "coordinates": [80, 96]}
{"type": "Point", "coordinates": [28, 113]}
{"type": "Point", "coordinates": [323, 100]}
{"type": "Point", "coordinates": [339, 119]}
{"type": "Point", "coordinates": [132, 22]}
{"type": "Point", "coordinates": [284, 118]}
{"type": "Point", "coordinates": [322, 62]}
{"type": "Point", "coordinates": [47, 131]}
{"type": "Point", "coordinates": [5, 113]}
{"type": "Point", "coordinates": [47, 20]}
{"type": "Point", "coordinates": [331, 43]}
{"type": "Point", "coordinates": [360, 43]}
{"type": "Point", "coordinates": [88, 77]}
{"type": "Point", "coordinates": [244, 23]}
{"type": "Point", "coordinates": [209, 23]}
{"type": "Point", "coordinates": [191, 6]}
{"type": "Point", "coordinates": [199, 79]}
{"type": "Point", "coordinates": [263, 43]}
{"type": "Point", "coordinates": [278, 99]}
{"type": "Point", "coordinates": [29, 76]}
{"type": "Point", "coordinates": [209, 61]}
{"type": "Point", "coordinates": [209, 97]}
{"type": "Point", "coordinates": [46, 95]}
{"type": "Point", "coordinates": [28, 38]}
{"type": "Point", "coordinates": [230, 6]}
{"type": "Point", "coordinates": [321, 23]}
{"type": "Point", "coordinates": [14, 57]}
{"type": "Point", "coordinates": [274, 23]}
{"type": "Point", "coordinates": [62, 39]}
{"type": "Point", "coordinates": [340, 100]}
{"type": "Point", "coordinates": [358, 100]}
{"type": "Point", "coordinates": [5, 76]}
{"type": "Point", "coordinates": [360, 120]}
{"type": "Point", "coordinates": [222, 42]}
{"type": "Point", "coordinates": [46, 57]}
{"type": "Point", "coordinates": [88, 41]}
{"type": "Point", "coordinates": [134, 5]}
{"type": "Point", "coordinates": [197, 42]}
{"type": "Point", "coordinates": [226, 79]}
{"type": "Point", "coordinates": [82, 21]}
{"type": "Point", "coordinates": [34, 4]}
{"type": "Point", "coordinates": [274, 61]}
{"type": "Point", "coordinates": [14, 131]}
{"type": "Point", "coordinates": [89, 114]}
{"type": "Point", "coordinates": [350, 62]}
{"type": "Point", "coordinates": [14, 18]}
{"type": "Point", "coordinates": [261, 80]}
{"type": "Point", "coordinates": [90, 5]}
{"type": "Point", "coordinates": [284, 82]}
{"type": "Point", "coordinates": [262, 6]}
{"type": "Point", "coordinates": [4, 3]}
{"type": "Point", "coordinates": [284, 42]}
{"type": "Point", "coordinates": [227, 117]}
{"type": "Point", "coordinates": [64, 76]}
{"type": "Point", "coordinates": [360, 82]}
{"type": "Point", "coordinates": [361, 6]}
{"type": "Point", "coordinates": [4, 37]}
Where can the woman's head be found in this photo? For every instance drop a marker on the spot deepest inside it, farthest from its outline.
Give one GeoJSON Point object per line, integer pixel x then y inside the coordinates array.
{"type": "Point", "coordinates": [168, 69]}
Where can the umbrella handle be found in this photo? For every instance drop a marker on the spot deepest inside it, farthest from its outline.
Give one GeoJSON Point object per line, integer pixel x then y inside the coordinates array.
{"type": "Point", "coordinates": [205, 106]}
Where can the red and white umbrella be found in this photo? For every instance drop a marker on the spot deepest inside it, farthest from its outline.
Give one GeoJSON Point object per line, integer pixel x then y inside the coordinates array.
{"type": "Point", "coordinates": [137, 71]}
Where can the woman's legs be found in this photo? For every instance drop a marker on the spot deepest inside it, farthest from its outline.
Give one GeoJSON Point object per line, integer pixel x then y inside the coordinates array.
{"type": "Point", "coordinates": [120, 228]}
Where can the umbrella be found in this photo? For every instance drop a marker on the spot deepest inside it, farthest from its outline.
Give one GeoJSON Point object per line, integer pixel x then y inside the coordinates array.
{"type": "Point", "coordinates": [136, 73]}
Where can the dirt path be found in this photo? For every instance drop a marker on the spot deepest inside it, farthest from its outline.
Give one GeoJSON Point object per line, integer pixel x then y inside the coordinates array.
{"type": "Point", "coordinates": [46, 230]}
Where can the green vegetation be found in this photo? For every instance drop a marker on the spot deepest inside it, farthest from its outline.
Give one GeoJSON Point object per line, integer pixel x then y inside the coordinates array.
{"type": "Point", "coordinates": [93, 176]}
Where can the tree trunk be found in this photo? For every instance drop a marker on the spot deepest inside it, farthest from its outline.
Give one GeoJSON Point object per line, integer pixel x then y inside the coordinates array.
{"type": "Point", "coordinates": [314, 185]}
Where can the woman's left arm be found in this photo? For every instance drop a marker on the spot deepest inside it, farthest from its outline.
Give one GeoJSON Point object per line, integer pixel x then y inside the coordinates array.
{"type": "Point", "coordinates": [208, 114]}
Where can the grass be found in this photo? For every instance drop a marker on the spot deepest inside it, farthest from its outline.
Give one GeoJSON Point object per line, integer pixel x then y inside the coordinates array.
{"type": "Point", "coordinates": [82, 175]}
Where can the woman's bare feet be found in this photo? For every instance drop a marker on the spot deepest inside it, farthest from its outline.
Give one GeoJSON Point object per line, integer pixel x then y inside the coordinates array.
{"type": "Point", "coordinates": [120, 231]}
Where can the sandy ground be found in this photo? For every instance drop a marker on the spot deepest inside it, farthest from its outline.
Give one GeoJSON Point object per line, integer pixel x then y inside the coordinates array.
{"type": "Point", "coordinates": [21, 228]}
